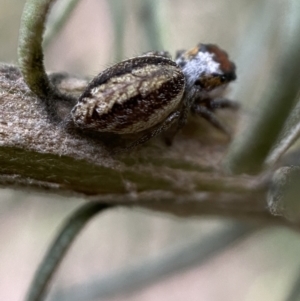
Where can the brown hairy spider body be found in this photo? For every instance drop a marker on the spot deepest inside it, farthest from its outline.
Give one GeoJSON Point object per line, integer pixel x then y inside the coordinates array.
{"type": "Point", "coordinates": [149, 93]}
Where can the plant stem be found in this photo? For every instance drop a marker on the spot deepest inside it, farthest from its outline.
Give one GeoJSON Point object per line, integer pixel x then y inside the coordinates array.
{"type": "Point", "coordinates": [250, 149]}
{"type": "Point", "coordinates": [69, 231]}
{"type": "Point", "coordinates": [156, 268]}
{"type": "Point", "coordinates": [30, 50]}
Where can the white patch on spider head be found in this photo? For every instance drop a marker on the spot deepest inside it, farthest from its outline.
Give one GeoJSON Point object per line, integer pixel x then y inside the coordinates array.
{"type": "Point", "coordinates": [201, 63]}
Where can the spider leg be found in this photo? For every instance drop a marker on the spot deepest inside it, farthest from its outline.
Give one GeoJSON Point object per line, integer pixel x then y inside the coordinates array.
{"type": "Point", "coordinates": [169, 136]}
{"type": "Point", "coordinates": [210, 117]}
{"type": "Point", "coordinates": [222, 103]}
{"type": "Point", "coordinates": [171, 119]}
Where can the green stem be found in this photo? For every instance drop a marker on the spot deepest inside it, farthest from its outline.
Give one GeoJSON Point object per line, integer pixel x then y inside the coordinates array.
{"type": "Point", "coordinates": [30, 51]}
{"type": "Point", "coordinates": [158, 267]}
{"type": "Point", "coordinates": [249, 151]}
{"type": "Point", "coordinates": [59, 247]}
{"type": "Point", "coordinates": [289, 134]}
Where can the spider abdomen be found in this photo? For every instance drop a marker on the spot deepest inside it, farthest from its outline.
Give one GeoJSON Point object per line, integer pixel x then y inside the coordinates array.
{"type": "Point", "coordinates": [131, 96]}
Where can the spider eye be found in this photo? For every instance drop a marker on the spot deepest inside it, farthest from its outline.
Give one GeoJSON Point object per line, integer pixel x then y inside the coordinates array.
{"type": "Point", "coordinates": [209, 82]}
{"type": "Point", "coordinates": [223, 78]}
{"type": "Point", "coordinates": [220, 78]}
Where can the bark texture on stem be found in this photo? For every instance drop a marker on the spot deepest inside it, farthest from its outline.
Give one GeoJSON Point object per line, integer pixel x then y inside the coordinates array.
{"type": "Point", "coordinates": [39, 153]}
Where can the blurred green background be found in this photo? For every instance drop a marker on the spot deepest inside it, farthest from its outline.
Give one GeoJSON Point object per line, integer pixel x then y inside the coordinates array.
{"type": "Point", "coordinates": [261, 266]}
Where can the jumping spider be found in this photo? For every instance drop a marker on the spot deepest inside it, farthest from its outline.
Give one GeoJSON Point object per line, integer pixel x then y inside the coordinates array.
{"type": "Point", "coordinates": [151, 92]}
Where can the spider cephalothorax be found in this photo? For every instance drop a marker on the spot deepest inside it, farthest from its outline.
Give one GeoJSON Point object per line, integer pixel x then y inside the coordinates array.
{"type": "Point", "coordinates": [207, 66]}
{"type": "Point", "coordinates": [151, 92]}
{"type": "Point", "coordinates": [207, 71]}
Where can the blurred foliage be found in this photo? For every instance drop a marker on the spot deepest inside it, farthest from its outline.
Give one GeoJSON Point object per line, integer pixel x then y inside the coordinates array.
{"type": "Point", "coordinates": [264, 266]}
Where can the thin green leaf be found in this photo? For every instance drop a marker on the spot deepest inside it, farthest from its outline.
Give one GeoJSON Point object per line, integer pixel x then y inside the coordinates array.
{"type": "Point", "coordinates": [69, 231]}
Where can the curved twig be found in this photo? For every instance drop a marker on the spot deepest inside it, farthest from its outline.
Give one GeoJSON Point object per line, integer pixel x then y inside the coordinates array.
{"type": "Point", "coordinates": [290, 133]}
{"type": "Point", "coordinates": [73, 225]}
{"type": "Point", "coordinates": [154, 269]}
{"type": "Point", "coordinates": [30, 51]}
